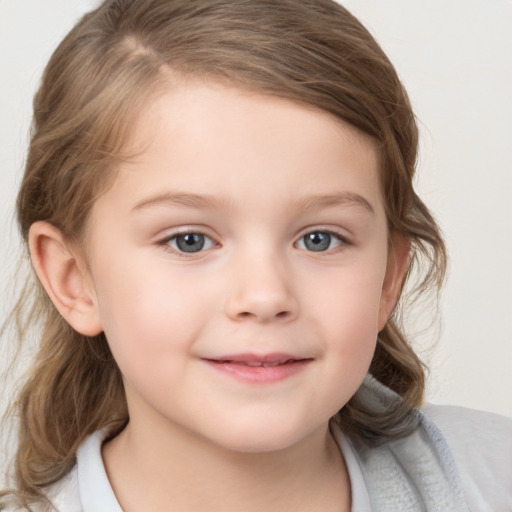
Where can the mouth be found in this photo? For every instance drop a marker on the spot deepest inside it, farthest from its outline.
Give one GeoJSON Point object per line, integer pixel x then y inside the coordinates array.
{"type": "Point", "coordinates": [259, 369]}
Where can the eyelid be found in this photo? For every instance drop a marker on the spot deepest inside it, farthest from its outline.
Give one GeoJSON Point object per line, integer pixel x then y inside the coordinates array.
{"type": "Point", "coordinates": [331, 230]}
{"type": "Point", "coordinates": [336, 232]}
{"type": "Point", "coordinates": [163, 241]}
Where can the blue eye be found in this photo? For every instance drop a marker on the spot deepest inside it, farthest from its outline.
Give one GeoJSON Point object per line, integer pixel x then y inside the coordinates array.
{"type": "Point", "coordinates": [189, 242]}
{"type": "Point", "coordinates": [320, 241]}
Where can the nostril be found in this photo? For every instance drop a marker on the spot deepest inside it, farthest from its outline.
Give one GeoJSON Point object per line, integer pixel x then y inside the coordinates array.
{"type": "Point", "coordinates": [248, 314]}
{"type": "Point", "coordinates": [261, 307]}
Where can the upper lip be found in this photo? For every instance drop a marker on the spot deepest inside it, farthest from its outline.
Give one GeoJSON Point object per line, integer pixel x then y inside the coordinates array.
{"type": "Point", "coordinates": [250, 359]}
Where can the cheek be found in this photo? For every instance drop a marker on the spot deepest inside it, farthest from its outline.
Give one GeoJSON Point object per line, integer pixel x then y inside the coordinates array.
{"type": "Point", "coordinates": [150, 314]}
{"type": "Point", "coordinates": [348, 314]}
{"type": "Point", "coordinates": [349, 299]}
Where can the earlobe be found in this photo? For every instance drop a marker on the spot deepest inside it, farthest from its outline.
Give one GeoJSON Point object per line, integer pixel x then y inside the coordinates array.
{"type": "Point", "coordinates": [65, 281]}
{"type": "Point", "coordinates": [398, 263]}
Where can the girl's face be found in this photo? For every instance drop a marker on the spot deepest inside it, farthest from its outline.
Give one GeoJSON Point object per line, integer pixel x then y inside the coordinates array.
{"type": "Point", "coordinates": [240, 267]}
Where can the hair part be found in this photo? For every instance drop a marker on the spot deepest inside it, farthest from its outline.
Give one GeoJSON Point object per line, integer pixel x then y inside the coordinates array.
{"type": "Point", "coordinates": [97, 82]}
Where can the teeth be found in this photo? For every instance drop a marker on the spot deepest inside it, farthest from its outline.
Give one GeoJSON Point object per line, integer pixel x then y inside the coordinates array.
{"type": "Point", "coordinates": [258, 364]}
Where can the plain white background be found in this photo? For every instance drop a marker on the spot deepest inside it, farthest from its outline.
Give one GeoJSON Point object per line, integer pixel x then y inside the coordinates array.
{"type": "Point", "coordinates": [455, 58]}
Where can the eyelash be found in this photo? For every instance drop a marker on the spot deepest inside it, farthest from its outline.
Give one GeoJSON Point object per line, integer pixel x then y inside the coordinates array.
{"type": "Point", "coordinates": [343, 240]}
{"type": "Point", "coordinates": [166, 242]}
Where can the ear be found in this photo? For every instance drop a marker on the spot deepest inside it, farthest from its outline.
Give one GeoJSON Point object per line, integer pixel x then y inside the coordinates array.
{"type": "Point", "coordinates": [65, 280]}
{"type": "Point", "coordinates": [398, 262]}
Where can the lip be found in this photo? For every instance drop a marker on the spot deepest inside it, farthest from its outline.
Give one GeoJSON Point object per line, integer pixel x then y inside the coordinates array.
{"type": "Point", "coordinates": [259, 368]}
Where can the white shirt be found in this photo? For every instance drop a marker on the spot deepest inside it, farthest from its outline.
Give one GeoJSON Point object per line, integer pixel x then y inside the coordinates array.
{"type": "Point", "coordinates": [480, 442]}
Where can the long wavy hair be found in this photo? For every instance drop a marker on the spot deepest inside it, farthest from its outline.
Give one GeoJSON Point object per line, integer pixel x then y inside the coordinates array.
{"type": "Point", "coordinates": [104, 72]}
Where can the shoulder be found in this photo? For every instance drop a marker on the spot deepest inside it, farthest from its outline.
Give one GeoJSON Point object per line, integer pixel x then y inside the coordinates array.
{"type": "Point", "coordinates": [481, 446]}
{"type": "Point", "coordinates": [63, 495]}
{"type": "Point", "coordinates": [86, 487]}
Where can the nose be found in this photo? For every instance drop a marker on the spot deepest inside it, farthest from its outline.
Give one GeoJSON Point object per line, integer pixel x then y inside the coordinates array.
{"type": "Point", "coordinates": [261, 290]}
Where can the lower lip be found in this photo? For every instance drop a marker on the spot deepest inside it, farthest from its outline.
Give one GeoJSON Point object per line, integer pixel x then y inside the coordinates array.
{"type": "Point", "coordinates": [259, 374]}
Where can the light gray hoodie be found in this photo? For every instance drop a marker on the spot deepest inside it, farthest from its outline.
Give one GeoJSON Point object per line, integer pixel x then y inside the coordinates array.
{"type": "Point", "coordinates": [456, 460]}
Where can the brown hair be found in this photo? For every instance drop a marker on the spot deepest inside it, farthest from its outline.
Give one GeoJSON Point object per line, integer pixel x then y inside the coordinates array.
{"type": "Point", "coordinates": [109, 65]}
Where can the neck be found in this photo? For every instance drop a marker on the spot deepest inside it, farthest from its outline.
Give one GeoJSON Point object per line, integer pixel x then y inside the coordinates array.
{"type": "Point", "coordinates": [149, 470]}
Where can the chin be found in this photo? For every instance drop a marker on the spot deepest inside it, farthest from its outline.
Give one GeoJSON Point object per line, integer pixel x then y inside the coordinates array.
{"type": "Point", "coordinates": [266, 438]}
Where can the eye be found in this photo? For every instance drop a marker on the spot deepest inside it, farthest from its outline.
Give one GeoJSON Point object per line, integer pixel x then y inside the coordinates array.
{"type": "Point", "coordinates": [320, 241]}
{"type": "Point", "coordinates": [189, 242]}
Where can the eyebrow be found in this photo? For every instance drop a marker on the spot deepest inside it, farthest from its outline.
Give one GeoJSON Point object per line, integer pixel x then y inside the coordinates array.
{"type": "Point", "coordinates": [320, 201]}
{"type": "Point", "coordinates": [206, 201]}
{"type": "Point", "coordinates": [198, 201]}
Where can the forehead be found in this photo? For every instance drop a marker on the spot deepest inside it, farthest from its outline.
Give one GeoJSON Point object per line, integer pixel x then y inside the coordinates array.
{"type": "Point", "coordinates": [218, 139]}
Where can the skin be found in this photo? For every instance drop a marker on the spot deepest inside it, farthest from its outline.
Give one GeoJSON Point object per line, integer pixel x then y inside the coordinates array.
{"type": "Point", "coordinates": [254, 175]}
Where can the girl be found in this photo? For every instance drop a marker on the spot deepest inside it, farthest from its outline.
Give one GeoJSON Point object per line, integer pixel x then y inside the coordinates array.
{"type": "Point", "coordinates": [219, 209]}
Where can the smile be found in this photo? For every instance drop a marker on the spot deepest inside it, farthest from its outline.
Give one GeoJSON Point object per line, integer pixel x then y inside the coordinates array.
{"type": "Point", "coordinates": [259, 369]}
{"type": "Point", "coordinates": [259, 363]}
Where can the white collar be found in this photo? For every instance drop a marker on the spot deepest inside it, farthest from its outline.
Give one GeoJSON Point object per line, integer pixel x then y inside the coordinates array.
{"type": "Point", "coordinates": [97, 495]}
